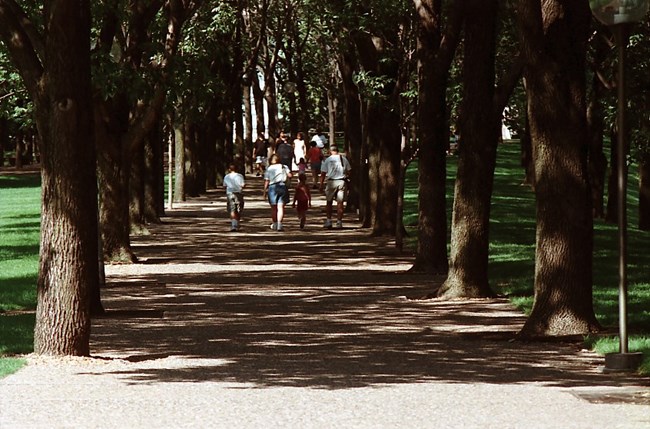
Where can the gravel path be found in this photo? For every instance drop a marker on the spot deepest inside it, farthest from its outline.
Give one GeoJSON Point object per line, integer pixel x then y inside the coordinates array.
{"type": "Point", "coordinates": [305, 329]}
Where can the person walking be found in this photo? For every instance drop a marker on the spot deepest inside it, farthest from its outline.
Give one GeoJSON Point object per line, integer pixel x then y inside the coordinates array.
{"type": "Point", "coordinates": [335, 168]}
{"type": "Point", "coordinates": [302, 195]}
{"type": "Point", "coordinates": [284, 150]}
{"type": "Point", "coordinates": [234, 184]}
{"type": "Point", "coordinates": [299, 150]}
{"type": "Point", "coordinates": [315, 157]}
{"type": "Point", "coordinates": [275, 187]}
{"type": "Point", "coordinates": [260, 153]}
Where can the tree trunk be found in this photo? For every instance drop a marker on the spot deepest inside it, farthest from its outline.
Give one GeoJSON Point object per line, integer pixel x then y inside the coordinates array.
{"type": "Point", "coordinates": [596, 126]}
{"type": "Point", "coordinates": [154, 176]}
{"type": "Point", "coordinates": [434, 59]}
{"type": "Point", "coordinates": [248, 134]}
{"type": "Point", "coordinates": [68, 265]}
{"type": "Point", "coordinates": [179, 162]}
{"type": "Point", "coordinates": [113, 159]}
{"type": "Point", "coordinates": [611, 213]}
{"type": "Point", "coordinates": [468, 268]}
{"type": "Point", "coordinates": [383, 137]}
{"type": "Point", "coordinates": [136, 190]}
{"type": "Point", "coordinates": [258, 97]}
{"type": "Point", "coordinates": [644, 192]}
{"type": "Point", "coordinates": [554, 37]}
{"type": "Point", "coordinates": [352, 128]}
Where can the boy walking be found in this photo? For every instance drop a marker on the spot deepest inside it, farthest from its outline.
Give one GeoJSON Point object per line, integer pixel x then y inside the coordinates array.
{"type": "Point", "coordinates": [234, 184]}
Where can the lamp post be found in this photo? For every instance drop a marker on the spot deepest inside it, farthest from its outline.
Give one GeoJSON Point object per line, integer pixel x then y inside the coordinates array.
{"type": "Point", "coordinates": [619, 15]}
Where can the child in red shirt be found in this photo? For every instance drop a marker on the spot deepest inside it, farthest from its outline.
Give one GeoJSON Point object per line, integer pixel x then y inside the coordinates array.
{"type": "Point", "coordinates": [302, 195]}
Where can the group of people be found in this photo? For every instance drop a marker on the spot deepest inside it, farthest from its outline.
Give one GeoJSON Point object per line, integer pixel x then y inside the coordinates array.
{"type": "Point", "coordinates": [329, 174]}
{"type": "Point", "coordinates": [296, 156]}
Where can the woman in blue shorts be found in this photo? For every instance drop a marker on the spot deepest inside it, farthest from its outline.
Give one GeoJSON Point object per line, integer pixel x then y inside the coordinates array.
{"type": "Point", "coordinates": [275, 186]}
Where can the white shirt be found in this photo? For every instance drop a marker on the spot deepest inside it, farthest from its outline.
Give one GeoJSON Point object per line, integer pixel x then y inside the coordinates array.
{"type": "Point", "coordinates": [276, 173]}
{"type": "Point", "coordinates": [234, 182]}
{"type": "Point", "coordinates": [320, 140]}
{"type": "Point", "coordinates": [336, 166]}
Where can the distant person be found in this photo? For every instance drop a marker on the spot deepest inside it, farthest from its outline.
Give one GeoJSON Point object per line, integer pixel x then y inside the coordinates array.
{"type": "Point", "coordinates": [234, 184]}
{"type": "Point", "coordinates": [260, 153]}
{"type": "Point", "coordinates": [315, 157]}
{"type": "Point", "coordinates": [299, 150]}
{"type": "Point", "coordinates": [336, 169]}
{"type": "Point", "coordinates": [302, 166]}
{"type": "Point", "coordinates": [275, 187]}
{"type": "Point", "coordinates": [302, 195]}
{"type": "Point", "coordinates": [319, 139]}
{"type": "Point", "coordinates": [284, 150]}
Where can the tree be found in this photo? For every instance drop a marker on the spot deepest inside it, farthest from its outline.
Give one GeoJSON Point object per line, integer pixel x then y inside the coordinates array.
{"type": "Point", "coordinates": [553, 38]}
{"type": "Point", "coordinates": [435, 54]}
{"type": "Point", "coordinates": [55, 67]}
{"type": "Point", "coordinates": [479, 127]}
{"type": "Point", "coordinates": [481, 115]}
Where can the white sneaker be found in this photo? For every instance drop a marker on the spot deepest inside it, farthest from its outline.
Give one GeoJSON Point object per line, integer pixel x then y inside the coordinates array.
{"type": "Point", "coordinates": [274, 226]}
{"type": "Point", "coordinates": [328, 224]}
{"type": "Point", "coordinates": [280, 227]}
{"type": "Point", "coordinates": [339, 224]}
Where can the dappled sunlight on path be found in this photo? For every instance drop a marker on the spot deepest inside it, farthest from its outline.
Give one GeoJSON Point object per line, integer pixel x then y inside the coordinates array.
{"type": "Point", "coordinates": [319, 308]}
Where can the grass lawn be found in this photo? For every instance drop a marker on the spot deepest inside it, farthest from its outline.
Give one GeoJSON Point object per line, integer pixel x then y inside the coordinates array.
{"type": "Point", "coordinates": [19, 241]}
{"type": "Point", "coordinates": [512, 255]}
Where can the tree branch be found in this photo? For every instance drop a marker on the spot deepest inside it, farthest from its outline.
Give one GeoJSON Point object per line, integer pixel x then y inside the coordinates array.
{"type": "Point", "coordinates": [15, 31]}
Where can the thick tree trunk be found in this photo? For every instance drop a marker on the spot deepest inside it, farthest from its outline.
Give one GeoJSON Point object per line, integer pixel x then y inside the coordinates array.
{"type": "Point", "coordinates": [113, 171]}
{"type": "Point", "coordinates": [554, 36]}
{"type": "Point", "coordinates": [68, 266]}
{"type": "Point", "coordinates": [434, 59]}
{"type": "Point", "coordinates": [383, 138]}
{"type": "Point", "coordinates": [468, 267]}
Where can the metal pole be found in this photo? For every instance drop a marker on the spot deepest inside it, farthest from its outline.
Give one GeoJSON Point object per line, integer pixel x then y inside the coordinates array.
{"type": "Point", "coordinates": [621, 34]}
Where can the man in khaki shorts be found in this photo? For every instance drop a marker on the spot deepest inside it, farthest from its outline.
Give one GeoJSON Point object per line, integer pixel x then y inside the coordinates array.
{"type": "Point", "coordinates": [335, 168]}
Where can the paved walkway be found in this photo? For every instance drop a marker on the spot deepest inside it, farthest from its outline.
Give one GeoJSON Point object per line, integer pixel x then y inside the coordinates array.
{"type": "Point", "coordinates": [305, 329]}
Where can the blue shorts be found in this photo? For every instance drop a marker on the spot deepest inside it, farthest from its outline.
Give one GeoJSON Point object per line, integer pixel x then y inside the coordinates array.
{"type": "Point", "coordinates": [278, 194]}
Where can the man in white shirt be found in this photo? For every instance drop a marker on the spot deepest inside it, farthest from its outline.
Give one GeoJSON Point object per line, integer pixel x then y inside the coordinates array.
{"type": "Point", "coordinates": [336, 169]}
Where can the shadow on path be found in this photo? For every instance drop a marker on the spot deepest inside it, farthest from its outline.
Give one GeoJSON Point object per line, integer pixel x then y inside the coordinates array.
{"type": "Point", "coordinates": [314, 308]}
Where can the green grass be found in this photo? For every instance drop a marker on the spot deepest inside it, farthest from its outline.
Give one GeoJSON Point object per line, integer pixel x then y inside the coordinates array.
{"type": "Point", "coordinates": [19, 242]}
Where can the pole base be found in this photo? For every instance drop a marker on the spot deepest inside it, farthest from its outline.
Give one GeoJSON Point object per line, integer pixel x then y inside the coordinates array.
{"type": "Point", "coordinates": [620, 362]}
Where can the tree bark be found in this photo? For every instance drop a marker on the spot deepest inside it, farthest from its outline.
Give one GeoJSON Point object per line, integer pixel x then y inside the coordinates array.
{"type": "Point", "coordinates": [468, 267]}
{"type": "Point", "coordinates": [383, 136]}
{"type": "Point", "coordinates": [352, 128]}
{"type": "Point", "coordinates": [68, 266]}
{"type": "Point", "coordinates": [554, 37]}
{"type": "Point", "coordinates": [434, 55]}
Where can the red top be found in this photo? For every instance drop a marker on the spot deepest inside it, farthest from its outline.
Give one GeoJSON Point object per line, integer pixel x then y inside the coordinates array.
{"type": "Point", "coordinates": [315, 154]}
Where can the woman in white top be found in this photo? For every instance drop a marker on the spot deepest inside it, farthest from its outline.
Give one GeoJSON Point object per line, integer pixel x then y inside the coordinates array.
{"type": "Point", "coordinates": [299, 150]}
